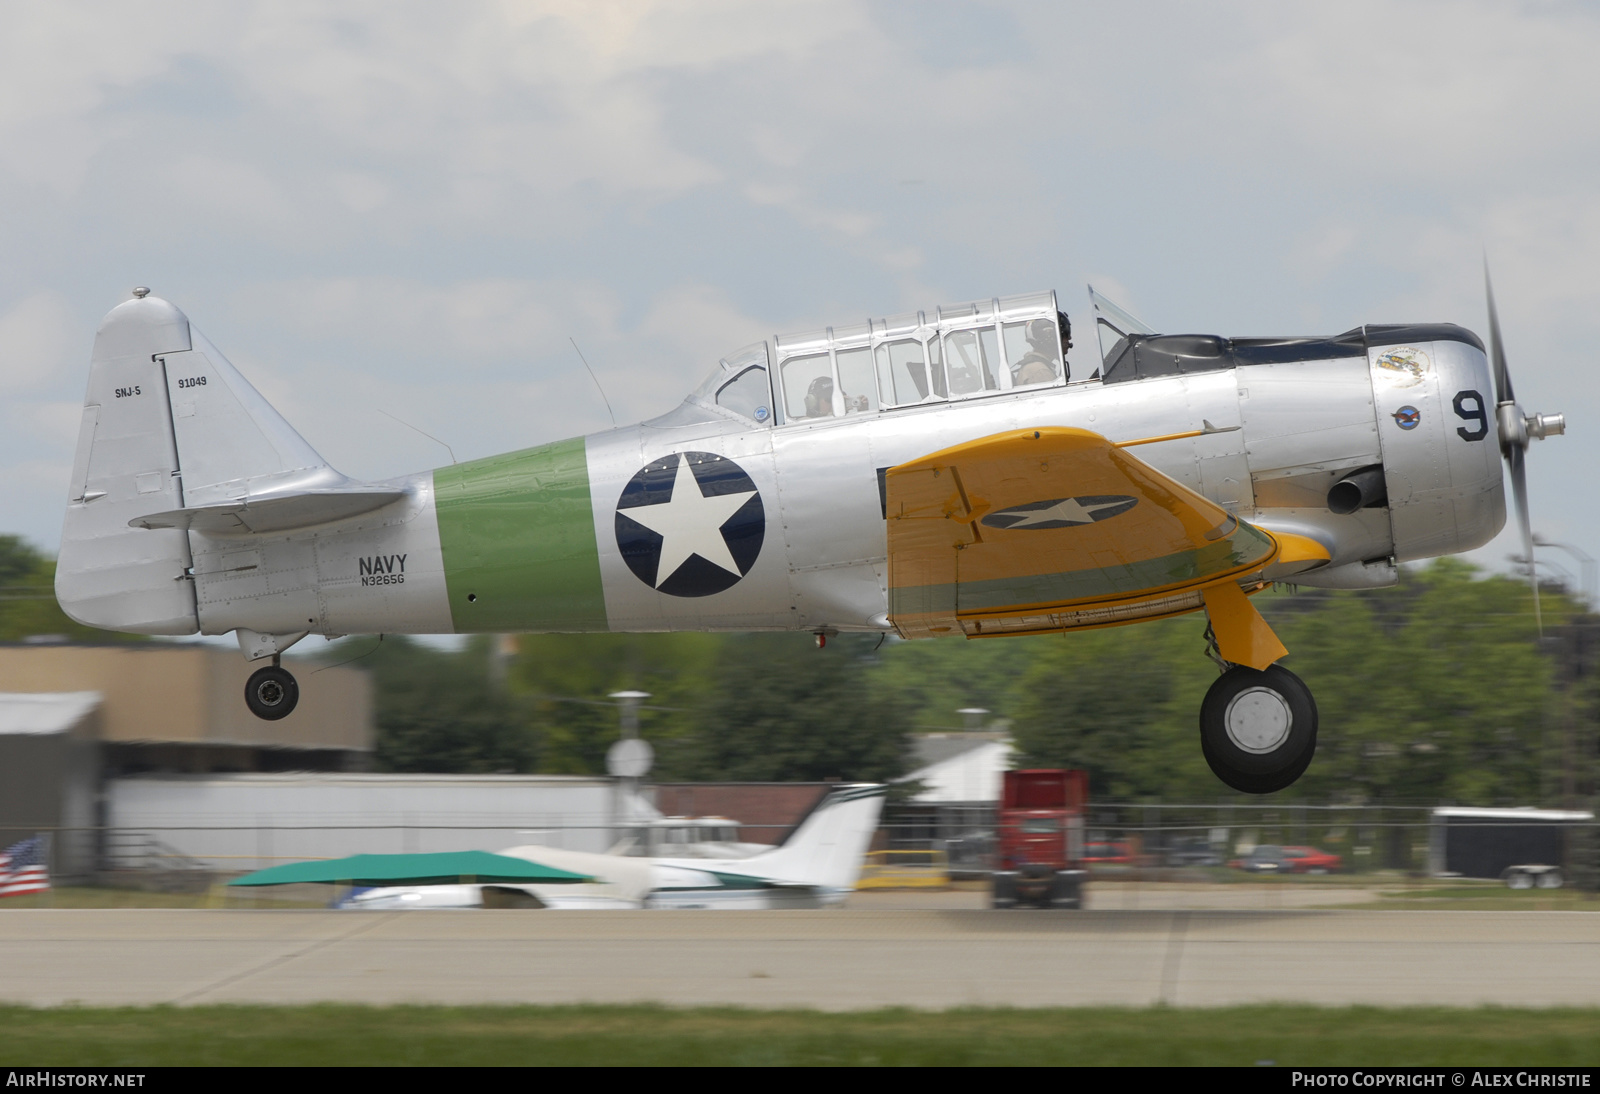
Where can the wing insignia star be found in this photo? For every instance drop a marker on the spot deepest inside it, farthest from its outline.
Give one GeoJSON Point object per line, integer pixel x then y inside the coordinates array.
{"type": "Point", "coordinates": [1061, 512]}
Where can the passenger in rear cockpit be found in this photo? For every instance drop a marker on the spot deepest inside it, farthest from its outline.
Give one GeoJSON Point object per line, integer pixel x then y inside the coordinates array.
{"type": "Point", "coordinates": [819, 398]}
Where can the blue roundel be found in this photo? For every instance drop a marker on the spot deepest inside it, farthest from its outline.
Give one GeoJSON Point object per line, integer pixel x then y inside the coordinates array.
{"type": "Point", "coordinates": [690, 524]}
{"type": "Point", "coordinates": [1407, 417]}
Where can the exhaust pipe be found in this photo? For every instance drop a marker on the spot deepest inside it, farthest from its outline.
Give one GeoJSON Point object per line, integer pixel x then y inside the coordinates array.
{"type": "Point", "coordinates": [1363, 489]}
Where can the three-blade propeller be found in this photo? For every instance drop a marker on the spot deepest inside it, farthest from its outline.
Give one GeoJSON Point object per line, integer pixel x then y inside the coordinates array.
{"type": "Point", "coordinates": [1517, 430]}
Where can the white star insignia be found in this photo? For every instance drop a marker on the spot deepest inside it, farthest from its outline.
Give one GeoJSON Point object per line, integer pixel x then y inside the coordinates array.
{"type": "Point", "coordinates": [689, 523]}
{"type": "Point", "coordinates": [1067, 510]}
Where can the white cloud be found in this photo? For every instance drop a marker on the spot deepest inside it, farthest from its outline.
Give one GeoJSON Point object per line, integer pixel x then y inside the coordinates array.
{"type": "Point", "coordinates": [467, 325]}
{"type": "Point", "coordinates": [414, 207]}
{"type": "Point", "coordinates": [37, 336]}
{"type": "Point", "coordinates": [484, 365]}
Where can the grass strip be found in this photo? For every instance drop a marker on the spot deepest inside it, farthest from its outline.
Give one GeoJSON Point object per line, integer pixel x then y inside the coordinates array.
{"type": "Point", "coordinates": [412, 1036]}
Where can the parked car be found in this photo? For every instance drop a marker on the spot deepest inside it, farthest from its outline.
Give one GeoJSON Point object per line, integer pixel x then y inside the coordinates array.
{"type": "Point", "coordinates": [1193, 852]}
{"type": "Point", "coordinates": [1107, 853]}
{"type": "Point", "coordinates": [1269, 859]}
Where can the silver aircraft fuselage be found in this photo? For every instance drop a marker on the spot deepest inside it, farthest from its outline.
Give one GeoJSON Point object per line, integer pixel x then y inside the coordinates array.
{"type": "Point", "coordinates": [787, 526]}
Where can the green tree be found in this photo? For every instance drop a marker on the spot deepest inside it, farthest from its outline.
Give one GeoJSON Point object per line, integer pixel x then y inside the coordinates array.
{"type": "Point", "coordinates": [781, 710]}
{"type": "Point", "coordinates": [566, 678]}
{"type": "Point", "coordinates": [439, 711]}
{"type": "Point", "coordinates": [28, 605]}
{"type": "Point", "coordinates": [1435, 690]}
{"type": "Point", "coordinates": [937, 678]}
{"type": "Point", "coordinates": [1119, 703]}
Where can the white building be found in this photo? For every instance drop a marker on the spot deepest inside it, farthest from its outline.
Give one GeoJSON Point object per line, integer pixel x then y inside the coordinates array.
{"type": "Point", "coordinates": [239, 822]}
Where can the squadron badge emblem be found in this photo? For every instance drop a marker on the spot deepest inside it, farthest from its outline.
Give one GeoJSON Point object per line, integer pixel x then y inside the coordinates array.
{"type": "Point", "coordinates": [1403, 367]}
{"type": "Point", "coordinates": [690, 524]}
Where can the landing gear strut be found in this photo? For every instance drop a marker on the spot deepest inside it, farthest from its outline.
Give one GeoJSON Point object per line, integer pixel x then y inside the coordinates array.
{"type": "Point", "coordinates": [1258, 730]}
{"type": "Point", "coordinates": [271, 693]}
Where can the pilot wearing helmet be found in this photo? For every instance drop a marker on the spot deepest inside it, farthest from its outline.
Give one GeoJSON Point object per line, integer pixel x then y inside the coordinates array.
{"type": "Point", "coordinates": [819, 398]}
{"type": "Point", "coordinates": [1038, 365]}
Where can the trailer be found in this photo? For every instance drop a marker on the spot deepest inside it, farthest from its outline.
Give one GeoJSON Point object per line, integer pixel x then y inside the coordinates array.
{"type": "Point", "coordinates": [1522, 847]}
{"type": "Point", "coordinates": [1041, 853]}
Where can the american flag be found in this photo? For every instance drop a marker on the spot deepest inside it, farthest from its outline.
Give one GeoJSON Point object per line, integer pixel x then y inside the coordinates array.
{"type": "Point", "coordinates": [24, 867]}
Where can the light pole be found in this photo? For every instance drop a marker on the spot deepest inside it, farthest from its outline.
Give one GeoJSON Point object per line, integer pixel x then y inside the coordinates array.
{"type": "Point", "coordinates": [628, 759]}
{"type": "Point", "coordinates": [1586, 566]}
{"type": "Point", "coordinates": [1556, 572]}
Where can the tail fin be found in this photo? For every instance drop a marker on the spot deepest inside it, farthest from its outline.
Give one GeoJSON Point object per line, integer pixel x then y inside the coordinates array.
{"type": "Point", "coordinates": [828, 846]}
{"type": "Point", "coordinates": [171, 429]}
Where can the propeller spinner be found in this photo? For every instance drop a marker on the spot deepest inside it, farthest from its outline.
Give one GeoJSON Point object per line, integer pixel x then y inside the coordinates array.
{"type": "Point", "coordinates": [1517, 430]}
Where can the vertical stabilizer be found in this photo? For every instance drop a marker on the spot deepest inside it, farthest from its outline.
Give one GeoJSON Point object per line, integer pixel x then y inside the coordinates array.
{"type": "Point", "coordinates": [171, 433]}
{"type": "Point", "coordinates": [110, 575]}
{"type": "Point", "coordinates": [827, 848]}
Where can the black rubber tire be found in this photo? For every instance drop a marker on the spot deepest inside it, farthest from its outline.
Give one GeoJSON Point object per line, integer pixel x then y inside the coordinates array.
{"type": "Point", "coordinates": [1256, 772]}
{"type": "Point", "coordinates": [1066, 890]}
{"type": "Point", "coordinates": [1005, 890]}
{"type": "Point", "coordinates": [271, 693]}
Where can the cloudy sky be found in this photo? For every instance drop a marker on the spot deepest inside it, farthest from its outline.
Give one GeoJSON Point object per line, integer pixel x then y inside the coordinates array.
{"type": "Point", "coordinates": [409, 209]}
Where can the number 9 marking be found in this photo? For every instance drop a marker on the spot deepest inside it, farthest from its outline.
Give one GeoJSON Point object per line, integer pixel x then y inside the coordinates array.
{"type": "Point", "coordinates": [1470, 407]}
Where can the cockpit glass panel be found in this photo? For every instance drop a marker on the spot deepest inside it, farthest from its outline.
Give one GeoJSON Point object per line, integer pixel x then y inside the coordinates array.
{"type": "Point", "coordinates": [1033, 352]}
{"type": "Point", "coordinates": [748, 394]}
{"type": "Point", "coordinates": [808, 390]}
{"type": "Point", "coordinates": [1113, 322]}
{"type": "Point", "coordinates": [730, 366]}
{"type": "Point", "coordinates": [855, 377]}
{"type": "Point", "coordinates": [903, 372]}
{"type": "Point", "coordinates": [936, 367]}
{"type": "Point", "coordinates": [968, 364]}
{"type": "Point", "coordinates": [993, 374]}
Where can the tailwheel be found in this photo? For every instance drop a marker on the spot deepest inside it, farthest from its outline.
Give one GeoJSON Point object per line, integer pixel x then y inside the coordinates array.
{"type": "Point", "coordinates": [271, 693]}
{"type": "Point", "coordinates": [1258, 729]}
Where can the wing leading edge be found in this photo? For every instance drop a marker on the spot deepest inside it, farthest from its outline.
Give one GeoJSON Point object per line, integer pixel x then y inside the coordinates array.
{"type": "Point", "coordinates": [1051, 529]}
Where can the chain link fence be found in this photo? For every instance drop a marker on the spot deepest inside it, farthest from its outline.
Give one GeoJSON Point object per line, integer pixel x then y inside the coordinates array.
{"type": "Point", "coordinates": [1141, 841]}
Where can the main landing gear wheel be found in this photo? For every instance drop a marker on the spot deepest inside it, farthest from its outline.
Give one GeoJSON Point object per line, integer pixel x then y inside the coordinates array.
{"type": "Point", "coordinates": [271, 693]}
{"type": "Point", "coordinates": [1258, 730]}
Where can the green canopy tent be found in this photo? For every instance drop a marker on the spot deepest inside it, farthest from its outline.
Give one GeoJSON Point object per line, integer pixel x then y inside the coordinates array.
{"type": "Point", "coordinates": [442, 868]}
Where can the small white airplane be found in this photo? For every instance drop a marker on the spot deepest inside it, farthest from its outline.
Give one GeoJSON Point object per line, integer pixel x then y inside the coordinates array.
{"type": "Point", "coordinates": [815, 866]}
{"type": "Point", "coordinates": [931, 474]}
{"type": "Point", "coordinates": [687, 837]}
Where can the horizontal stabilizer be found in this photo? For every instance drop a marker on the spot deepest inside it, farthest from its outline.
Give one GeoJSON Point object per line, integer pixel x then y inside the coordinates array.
{"type": "Point", "coordinates": [273, 514]}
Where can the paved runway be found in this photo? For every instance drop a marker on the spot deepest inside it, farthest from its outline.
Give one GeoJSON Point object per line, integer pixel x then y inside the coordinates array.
{"type": "Point", "coordinates": [838, 959]}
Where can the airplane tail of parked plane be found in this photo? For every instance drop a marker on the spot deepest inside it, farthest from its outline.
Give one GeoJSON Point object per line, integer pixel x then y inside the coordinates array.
{"type": "Point", "coordinates": [174, 438]}
{"type": "Point", "coordinates": [827, 847]}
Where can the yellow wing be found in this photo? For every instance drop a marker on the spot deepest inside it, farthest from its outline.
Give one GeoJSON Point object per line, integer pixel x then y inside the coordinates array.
{"type": "Point", "coordinates": [1054, 529]}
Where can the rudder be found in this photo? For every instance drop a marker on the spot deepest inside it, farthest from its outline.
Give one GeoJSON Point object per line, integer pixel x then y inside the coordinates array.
{"type": "Point", "coordinates": [828, 846]}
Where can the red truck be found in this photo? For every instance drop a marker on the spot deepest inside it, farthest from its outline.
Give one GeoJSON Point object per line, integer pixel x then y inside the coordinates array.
{"type": "Point", "coordinates": [1041, 839]}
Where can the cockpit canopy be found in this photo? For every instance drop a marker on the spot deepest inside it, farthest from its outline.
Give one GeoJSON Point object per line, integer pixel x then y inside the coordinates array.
{"type": "Point", "coordinates": [964, 351]}
{"type": "Point", "coordinates": [969, 351]}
